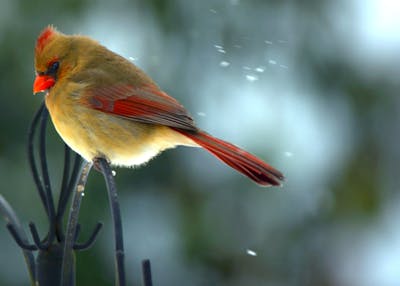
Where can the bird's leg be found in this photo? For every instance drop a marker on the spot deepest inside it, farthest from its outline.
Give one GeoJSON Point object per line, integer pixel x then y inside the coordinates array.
{"type": "Point", "coordinates": [97, 163]}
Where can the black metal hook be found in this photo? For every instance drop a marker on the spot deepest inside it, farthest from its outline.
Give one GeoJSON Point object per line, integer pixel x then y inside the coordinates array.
{"type": "Point", "coordinates": [92, 238]}
{"type": "Point", "coordinates": [21, 243]}
{"type": "Point", "coordinates": [46, 242]}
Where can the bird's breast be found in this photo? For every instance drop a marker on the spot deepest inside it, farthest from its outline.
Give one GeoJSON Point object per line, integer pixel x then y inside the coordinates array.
{"type": "Point", "coordinates": [123, 142]}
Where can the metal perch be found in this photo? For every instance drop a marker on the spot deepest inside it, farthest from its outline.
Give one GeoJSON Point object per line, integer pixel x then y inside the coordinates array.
{"type": "Point", "coordinates": [55, 260]}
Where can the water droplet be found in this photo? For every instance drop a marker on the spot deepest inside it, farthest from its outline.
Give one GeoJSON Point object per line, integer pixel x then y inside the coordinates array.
{"type": "Point", "coordinates": [213, 11]}
{"type": "Point", "coordinates": [260, 69]}
{"type": "Point", "coordinates": [201, 113]}
{"type": "Point", "coordinates": [251, 252]}
{"type": "Point", "coordinates": [114, 173]}
{"type": "Point", "coordinates": [224, 64]}
{"type": "Point", "coordinates": [268, 42]}
{"type": "Point", "coordinates": [220, 49]}
{"type": "Point", "coordinates": [288, 154]}
{"type": "Point", "coordinates": [272, 62]}
{"type": "Point", "coordinates": [251, 77]}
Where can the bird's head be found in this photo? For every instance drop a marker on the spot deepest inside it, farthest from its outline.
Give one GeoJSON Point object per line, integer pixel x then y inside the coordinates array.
{"type": "Point", "coordinates": [53, 58]}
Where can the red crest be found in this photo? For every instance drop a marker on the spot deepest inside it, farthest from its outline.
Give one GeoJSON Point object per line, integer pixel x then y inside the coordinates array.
{"type": "Point", "coordinates": [44, 37]}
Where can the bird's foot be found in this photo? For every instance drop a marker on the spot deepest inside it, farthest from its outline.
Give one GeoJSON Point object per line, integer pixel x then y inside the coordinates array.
{"type": "Point", "coordinates": [97, 163]}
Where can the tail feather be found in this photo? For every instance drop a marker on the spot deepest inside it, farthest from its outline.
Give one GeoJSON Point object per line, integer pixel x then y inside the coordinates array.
{"type": "Point", "coordinates": [240, 160]}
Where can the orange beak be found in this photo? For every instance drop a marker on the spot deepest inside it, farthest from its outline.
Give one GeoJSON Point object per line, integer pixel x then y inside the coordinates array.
{"type": "Point", "coordinates": [43, 83]}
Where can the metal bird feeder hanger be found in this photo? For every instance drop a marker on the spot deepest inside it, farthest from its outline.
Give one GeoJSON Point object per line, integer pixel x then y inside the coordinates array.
{"type": "Point", "coordinates": [55, 261]}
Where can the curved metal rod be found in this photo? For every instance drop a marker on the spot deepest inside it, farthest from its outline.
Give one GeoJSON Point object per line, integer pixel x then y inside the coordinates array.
{"type": "Point", "coordinates": [67, 263]}
{"type": "Point", "coordinates": [31, 157]}
{"type": "Point", "coordinates": [103, 165]}
{"type": "Point", "coordinates": [90, 241]}
{"type": "Point", "coordinates": [44, 188]}
{"type": "Point", "coordinates": [67, 163]}
{"type": "Point", "coordinates": [68, 184]}
{"type": "Point", "coordinates": [70, 187]}
{"type": "Point", "coordinates": [65, 178]}
{"type": "Point", "coordinates": [19, 235]}
{"type": "Point", "coordinates": [45, 170]}
{"type": "Point", "coordinates": [18, 239]}
{"type": "Point", "coordinates": [77, 231]}
{"type": "Point", "coordinates": [64, 184]}
{"type": "Point", "coordinates": [36, 238]}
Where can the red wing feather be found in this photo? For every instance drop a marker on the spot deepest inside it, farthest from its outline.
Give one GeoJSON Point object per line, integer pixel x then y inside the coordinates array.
{"type": "Point", "coordinates": [145, 104]}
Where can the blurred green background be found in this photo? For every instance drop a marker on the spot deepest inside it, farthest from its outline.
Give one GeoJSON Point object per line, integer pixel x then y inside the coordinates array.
{"type": "Point", "coordinates": [309, 86]}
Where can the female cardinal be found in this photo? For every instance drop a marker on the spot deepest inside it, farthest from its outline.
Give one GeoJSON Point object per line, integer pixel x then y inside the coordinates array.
{"type": "Point", "coordinates": [103, 106]}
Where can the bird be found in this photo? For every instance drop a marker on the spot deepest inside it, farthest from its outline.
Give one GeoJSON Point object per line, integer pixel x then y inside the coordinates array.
{"type": "Point", "coordinates": [104, 106]}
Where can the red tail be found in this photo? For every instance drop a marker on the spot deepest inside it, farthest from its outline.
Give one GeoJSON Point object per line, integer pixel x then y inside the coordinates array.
{"type": "Point", "coordinates": [242, 161]}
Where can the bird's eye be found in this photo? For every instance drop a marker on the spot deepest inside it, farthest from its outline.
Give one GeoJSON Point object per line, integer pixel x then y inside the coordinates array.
{"type": "Point", "coordinates": [53, 68]}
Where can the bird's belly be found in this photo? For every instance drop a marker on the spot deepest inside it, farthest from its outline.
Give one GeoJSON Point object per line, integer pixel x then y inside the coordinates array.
{"type": "Point", "coordinates": [123, 142]}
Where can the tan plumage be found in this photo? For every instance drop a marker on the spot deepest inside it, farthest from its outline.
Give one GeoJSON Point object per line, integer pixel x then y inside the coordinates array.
{"type": "Point", "coordinates": [82, 127]}
{"type": "Point", "coordinates": [104, 106]}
